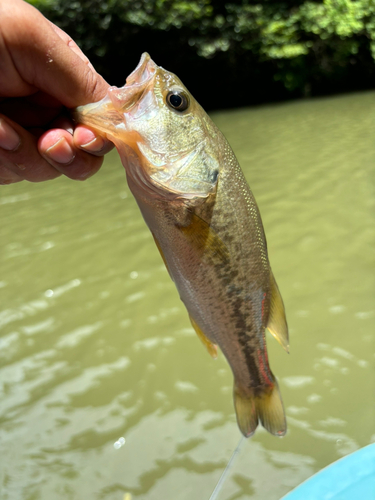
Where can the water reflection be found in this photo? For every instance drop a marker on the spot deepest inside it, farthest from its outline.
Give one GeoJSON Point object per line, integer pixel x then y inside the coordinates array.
{"type": "Point", "coordinates": [96, 346]}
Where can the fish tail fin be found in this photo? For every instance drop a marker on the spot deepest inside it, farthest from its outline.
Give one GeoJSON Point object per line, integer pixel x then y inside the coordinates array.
{"type": "Point", "coordinates": [246, 413]}
{"type": "Point", "coordinates": [266, 407]}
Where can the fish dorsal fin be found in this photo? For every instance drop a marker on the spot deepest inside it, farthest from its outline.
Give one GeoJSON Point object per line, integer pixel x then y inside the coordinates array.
{"type": "Point", "coordinates": [211, 348]}
{"type": "Point", "coordinates": [277, 324]}
{"type": "Point", "coordinates": [205, 240]}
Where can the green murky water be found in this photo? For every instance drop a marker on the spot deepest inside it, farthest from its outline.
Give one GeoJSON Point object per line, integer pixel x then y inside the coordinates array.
{"type": "Point", "coordinates": [96, 346]}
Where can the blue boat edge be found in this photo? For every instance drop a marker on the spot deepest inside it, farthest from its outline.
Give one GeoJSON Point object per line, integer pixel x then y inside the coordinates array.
{"type": "Point", "coordinates": [352, 476]}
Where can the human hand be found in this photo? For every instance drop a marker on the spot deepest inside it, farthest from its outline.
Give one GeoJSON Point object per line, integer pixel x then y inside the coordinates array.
{"type": "Point", "coordinates": [43, 73]}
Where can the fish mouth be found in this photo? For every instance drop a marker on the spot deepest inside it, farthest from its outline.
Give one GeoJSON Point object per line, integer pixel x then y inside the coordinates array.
{"type": "Point", "coordinates": [108, 114]}
{"type": "Point", "coordinates": [143, 73]}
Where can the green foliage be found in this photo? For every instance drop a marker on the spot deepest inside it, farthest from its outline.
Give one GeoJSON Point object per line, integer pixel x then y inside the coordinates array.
{"type": "Point", "coordinates": [302, 46]}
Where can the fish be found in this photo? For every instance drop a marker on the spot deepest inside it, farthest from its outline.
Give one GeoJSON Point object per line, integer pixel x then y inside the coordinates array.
{"type": "Point", "coordinates": [206, 224]}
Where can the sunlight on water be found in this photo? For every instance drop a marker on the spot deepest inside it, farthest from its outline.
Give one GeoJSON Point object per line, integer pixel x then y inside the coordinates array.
{"type": "Point", "coordinates": [106, 393]}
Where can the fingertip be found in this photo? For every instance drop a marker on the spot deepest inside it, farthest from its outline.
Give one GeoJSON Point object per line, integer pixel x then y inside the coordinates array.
{"type": "Point", "coordinates": [89, 141]}
{"type": "Point", "coordinates": [58, 148]}
{"type": "Point", "coordinates": [25, 161]}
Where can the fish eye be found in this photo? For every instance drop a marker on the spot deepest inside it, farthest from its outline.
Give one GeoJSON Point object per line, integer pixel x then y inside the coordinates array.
{"type": "Point", "coordinates": [178, 100]}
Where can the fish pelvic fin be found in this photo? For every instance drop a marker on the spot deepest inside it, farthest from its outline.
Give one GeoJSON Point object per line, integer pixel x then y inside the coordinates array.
{"type": "Point", "coordinates": [266, 407]}
{"type": "Point", "coordinates": [211, 348]}
{"type": "Point", "coordinates": [277, 324]}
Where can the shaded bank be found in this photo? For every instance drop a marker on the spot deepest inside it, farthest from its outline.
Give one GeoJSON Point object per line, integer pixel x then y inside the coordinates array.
{"type": "Point", "coordinates": [229, 53]}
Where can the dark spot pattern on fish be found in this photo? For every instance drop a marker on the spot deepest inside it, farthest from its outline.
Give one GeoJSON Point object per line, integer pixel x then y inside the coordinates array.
{"type": "Point", "coordinates": [243, 325]}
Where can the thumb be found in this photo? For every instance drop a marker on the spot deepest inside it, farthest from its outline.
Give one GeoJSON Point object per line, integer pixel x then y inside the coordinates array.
{"type": "Point", "coordinates": [46, 58]}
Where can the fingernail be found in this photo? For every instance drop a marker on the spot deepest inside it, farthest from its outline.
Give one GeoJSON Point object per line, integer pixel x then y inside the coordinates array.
{"type": "Point", "coordinates": [9, 138]}
{"type": "Point", "coordinates": [61, 152]}
{"type": "Point", "coordinates": [94, 146]}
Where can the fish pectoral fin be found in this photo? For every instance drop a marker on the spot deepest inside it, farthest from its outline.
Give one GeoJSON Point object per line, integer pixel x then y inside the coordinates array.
{"type": "Point", "coordinates": [266, 407]}
{"type": "Point", "coordinates": [162, 254]}
{"type": "Point", "coordinates": [277, 324]}
{"type": "Point", "coordinates": [211, 348]}
{"type": "Point", "coordinates": [205, 240]}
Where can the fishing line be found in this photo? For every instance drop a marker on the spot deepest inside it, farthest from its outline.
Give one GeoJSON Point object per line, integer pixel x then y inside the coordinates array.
{"type": "Point", "coordinates": [226, 470]}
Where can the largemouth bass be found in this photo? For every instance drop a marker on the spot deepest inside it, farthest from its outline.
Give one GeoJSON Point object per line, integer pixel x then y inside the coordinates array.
{"type": "Point", "coordinates": [206, 224]}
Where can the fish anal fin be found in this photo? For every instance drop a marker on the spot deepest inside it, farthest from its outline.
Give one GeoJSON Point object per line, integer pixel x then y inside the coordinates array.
{"type": "Point", "coordinates": [266, 407]}
{"type": "Point", "coordinates": [211, 348]}
{"type": "Point", "coordinates": [277, 324]}
{"type": "Point", "coordinates": [204, 239]}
